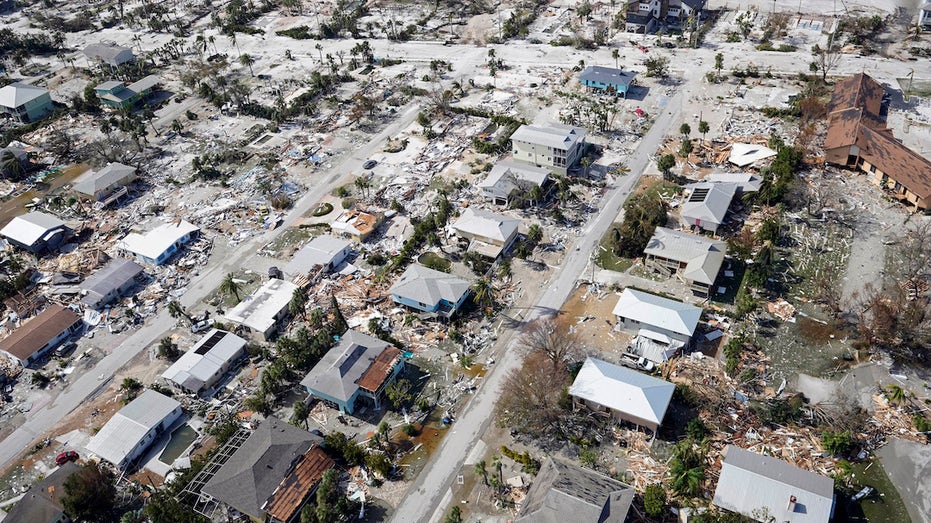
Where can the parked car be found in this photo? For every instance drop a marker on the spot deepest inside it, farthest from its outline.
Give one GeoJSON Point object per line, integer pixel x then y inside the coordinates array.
{"type": "Point", "coordinates": [864, 492]}
{"type": "Point", "coordinates": [202, 325]}
{"type": "Point", "coordinates": [369, 164]}
{"type": "Point", "coordinates": [65, 349]}
{"type": "Point", "coordinates": [65, 457]}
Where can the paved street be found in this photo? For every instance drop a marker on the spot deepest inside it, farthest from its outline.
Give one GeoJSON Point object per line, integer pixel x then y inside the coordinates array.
{"type": "Point", "coordinates": [43, 420]}
{"type": "Point", "coordinates": [427, 499]}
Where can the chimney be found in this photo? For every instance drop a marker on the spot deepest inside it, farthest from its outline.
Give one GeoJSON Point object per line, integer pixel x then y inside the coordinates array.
{"type": "Point", "coordinates": [791, 505]}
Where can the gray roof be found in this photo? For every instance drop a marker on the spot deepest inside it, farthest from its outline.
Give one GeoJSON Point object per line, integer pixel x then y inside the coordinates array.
{"type": "Point", "coordinates": [117, 439]}
{"type": "Point", "coordinates": [702, 256]}
{"type": "Point", "coordinates": [564, 492]}
{"type": "Point", "coordinates": [708, 202]}
{"type": "Point", "coordinates": [557, 136]}
{"type": "Point", "coordinates": [259, 310]}
{"type": "Point", "coordinates": [42, 502]}
{"type": "Point", "coordinates": [113, 173]}
{"type": "Point", "coordinates": [694, 4]}
{"type": "Point", "coordinates": [496, 227]}
{"type": "Point", "coordinates": [746, 182]}
{"type": "Point", "coordinates": [338, 372]}
{"type": "Point", "coordinates": [320, 251]}
{"type": "Point", "coordinates": [109, 85]}
{"type": "Point", "coordinates": [752, 482]}
{"type": "Point", "coordinates": [109, 53]}
{"type": "Point", "coordinates": [425, 285]}
{"type": "Point", "coordinates": [657, 311]}
{"type": "Point", "coordinates": [506, 176]}
{"type": "Point", "coordinates": [110, 277]}
{"type": "Point", "coordinates": [623, 390]}
{"type": "Point", "coordinates": [31, 227]}
{"type": "Point", "coordinates": [18, 152]}
{"type": "Point", "coordinates": [146, 83]}
{"type": "Point", "coordinates": [200, 365]}
{"type": "Point", "coordinates": [607, 75]}
{"type": "Point", "coordinates": [253, 473]}
{"type": "Point", "coordinates": [19, 93]}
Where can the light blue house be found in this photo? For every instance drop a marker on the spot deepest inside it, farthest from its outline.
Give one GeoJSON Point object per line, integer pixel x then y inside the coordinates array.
{"type": "Point", "coordinates": [607, 79]}
{"type": "Point", "coordinates": [359, 368]}
{"type": "Point", "coordinates": [430, 291]}
{"type": "Point", "coordinates": [24, 102]}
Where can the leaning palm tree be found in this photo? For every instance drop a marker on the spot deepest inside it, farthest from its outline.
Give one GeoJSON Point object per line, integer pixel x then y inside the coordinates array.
{"type": "Point", "coordinates": [247, 60]}
{"type": "Point", "coordinates": [11, 165]}
{"type": "Point", "coordinates": [896, 394]}
{"type": "Point", "coordinates": [230, 286]}
{"type": "Point", "coordinates": [176, 310]}
{"type": "Point", "coordinates": [298, 303]}
{"type": "Point", "coordinates": [483, 292]}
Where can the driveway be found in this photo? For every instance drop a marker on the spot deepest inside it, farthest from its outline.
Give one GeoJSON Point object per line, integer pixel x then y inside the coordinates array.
{"type": "Point", "coordinates": [908, 465]}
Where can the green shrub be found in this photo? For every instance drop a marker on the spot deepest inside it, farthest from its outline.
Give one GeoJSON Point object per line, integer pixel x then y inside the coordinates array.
{"type": "Point", "coordinates": [654, 499]}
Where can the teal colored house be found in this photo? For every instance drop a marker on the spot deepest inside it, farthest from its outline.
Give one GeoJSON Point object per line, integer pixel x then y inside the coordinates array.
{"type": "Point", "coordinates": [25, 103]}
{"type": "Point", "coordinates": [356, 372]}
{"type": "Point", "coordinates": [607, 79]}
{"type": "Point", "coordinates": [119, 95]}
{"type": "Point", "coordinates": [430, 291]}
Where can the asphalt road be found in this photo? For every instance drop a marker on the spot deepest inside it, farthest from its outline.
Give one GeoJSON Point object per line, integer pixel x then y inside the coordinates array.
{"type": "Point", "coordinates": [427, 498]}
{"type": "Point", "coordinates": [40, 422]}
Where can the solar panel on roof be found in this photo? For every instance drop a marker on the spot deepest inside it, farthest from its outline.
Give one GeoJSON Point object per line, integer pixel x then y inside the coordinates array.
{"type": "Point", "coordinates": [210, 343]}
{"type": "Point", "coordinates": [699, 194]}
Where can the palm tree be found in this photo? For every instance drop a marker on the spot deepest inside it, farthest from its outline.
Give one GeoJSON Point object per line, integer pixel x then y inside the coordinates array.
{"type": "Point", "coordinates": [298, 303]}
{"type": "Point", "coordinates": [316, 317]}
{"type": "Point", "coordinates": [703, 128]}
{"type": "Point", "coordinates": [230, 286]}
{"type": "Point", "coordinates": [896, 394]}
{"type": "Point", "coordinates": [168, 349]}
{"type": "Point", "coordinates": [247, 60]}
{"type": "Point", "coordinates": [176, 310]}
{"type": "Point", "coordinates": [496, 462]}
{"type": "Point", "coordinates": [363, 184]}
{"type": "Point", "coordinates": [319, 49]}
{"type": "Point", "coordinates": [483, 292]}
{"type": "Point", "coordinates": [481, 470]}
{"type": "Point", "coordinates": [615, 54]}
{"type": "Point", "coordinates": [9, 163]}
{"type": "Point", "coordinates": [300, 414]}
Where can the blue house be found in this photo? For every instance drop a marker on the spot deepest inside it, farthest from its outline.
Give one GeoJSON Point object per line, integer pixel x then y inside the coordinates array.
{"type": "Point", "coordinates": [430, 291]}
{"type": "Point", "coordinates": [359, 368]}
{"type": "Point", "coordinates": [607, 79]}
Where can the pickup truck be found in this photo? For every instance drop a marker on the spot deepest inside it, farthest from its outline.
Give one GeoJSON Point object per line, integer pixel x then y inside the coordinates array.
{"type": "Point", "coordinates": [637, 362]}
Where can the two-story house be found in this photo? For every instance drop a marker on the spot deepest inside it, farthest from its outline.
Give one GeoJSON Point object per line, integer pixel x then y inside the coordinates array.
{"type": "Point", "coordinates": [556, 147]}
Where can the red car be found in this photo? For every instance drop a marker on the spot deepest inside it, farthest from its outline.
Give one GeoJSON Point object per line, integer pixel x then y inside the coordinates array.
{"type": "Point", "coordinates": [65, 457]}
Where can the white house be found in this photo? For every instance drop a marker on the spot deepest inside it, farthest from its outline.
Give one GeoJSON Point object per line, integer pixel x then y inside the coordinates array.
{"type": "Point", "coordinates": [556, 147]}
{"type": "Point", "coordinates": [159, 244]}
{"type": "Point", "coordinates": [662, 326]}
{"type": "Point", "coordinates": [131, 431]}
{"type": "Point", "coordinates": [506, 177]}
{"type": "Point", "coordinates": [265, 309]}
{"type": "Point", "coordinates": [35, 337]}
{"type": "Point", "coordinates": [105, 183]}
{"type": "Point", "coordinates": [706, 205]}
{"type": "Point", "coordinates": [36, 232]}
{"type": "Point", "coordinates": [489, 234]}
{"type": "Point", "coordinates": [324, 251]}
{"type": "Point", "coordinates": [199, 369]}
{"type": "Point", "coordinates": [623, 393]}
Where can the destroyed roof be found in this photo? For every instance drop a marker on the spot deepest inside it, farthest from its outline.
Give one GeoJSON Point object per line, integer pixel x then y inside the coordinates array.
{"type": "Point", "coordinates": [563, 492]}
{"type": "Point", "coordinates": [623, 390]}
{"type": "Point", "coordinates": [425, 285]}
{"type": "Point", "coordinates": [154, 243]}
{"type": "Point", "coordinates": [657, 311]}
{"type": "Point", "coordinates": [607, 75]}
{"type": "Point", "coordinates": [703, 256]}
{"type": "Point", "coordinates": [111, 174]}
{"type": "Point", "coordinates": [743, 154]}
{"type": "Point", "coordinates": [35, 333]}
{"type": "Point", "coordinates": [859, 90]}
{"type": "Point", "coordinates": [750, 482]}
{"type": "Point", "coordinates": [746, 182]}
{"type": "Point", "coordinates": [115, 274]}
{"type": "Point", "coordinates": [557, 136]}
{"type": "Point", "coordinates": [486, 224]}
{"type": "Point", "coordinates": [255, 470]}
{"type": "Point", "coordinates": [198, 366]}
{"type": "Point", "coordinates": [127, 428]}
{"type": "Point", "coordinates": [42, 502]}
{"type": "Point", "coordinates": [19, 93]}
{"type": "Point", "coordinates": [109, 53]}
{"type": "Point", "coordinates": [341, 370]}
{"type": "Point", "coordinates": [259, 310]}
{"type": "Point", "coordinates": [29, 228]}
{"type": "Point", "coordinates": [506, 176]}
{"type": "Point", "coordinates": [708, 202]}
{"type": "Point", "coordinates": [293, 490]}
{"type": "Point", "coordinates": [320, 251]}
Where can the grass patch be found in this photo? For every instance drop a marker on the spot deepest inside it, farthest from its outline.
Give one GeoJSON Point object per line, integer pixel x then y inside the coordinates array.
{"type": "Point", "coordinates": [920, 88]}
{"type": "Point", "coordinates": [289, 239]}
{"type": "Point", "coordinates": [606, 259]}
{"type": "Point", "coordinates": [732, 284]}
{"type": "Point", "coordinates": [434, 261]}
{"type": "Point", "coordinates": [252, 280]}
{"type": "Point", "coordinates": [885, 506]}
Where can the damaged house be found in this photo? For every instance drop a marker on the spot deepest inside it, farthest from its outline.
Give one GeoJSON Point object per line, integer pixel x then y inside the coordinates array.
{"type": "Point", "coordinates": [662, 326]}
{"type": "Point", "coordinates": [489, 234]}
{"type": "Point", "coordinates": [622, 393]}
{"type": "Point", "coordinates": [564, 492]}
{"type": "Point", "coordinates": [129, 433]}
{"type": "Point", "coordinates": [694, 259]}
{"type": "Point", "coordinates": [37, 336]}
{"type": "Point", "coordinates": [509, 179]}
{"type": "Point", "coordinates": [36, 232]}
{"type": "Point", "coordinates": [266, 309]}
{"type": "Point", "coordinates": [202, 367]}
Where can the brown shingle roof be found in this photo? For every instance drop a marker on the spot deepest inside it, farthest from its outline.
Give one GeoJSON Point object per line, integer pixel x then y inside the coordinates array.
{"type": "Point", "coordinates": [859, 90]}
{"type": "Point", "coordinates": [298, 485]}
{"type": "Point", "coordinates": [35, 333]}
{"type": "Point", "coordinates": [897, 161]}
{"type": "Point", "coordinates": [380, 369]}
{"type": "Point", "coordinates": [844, 125]}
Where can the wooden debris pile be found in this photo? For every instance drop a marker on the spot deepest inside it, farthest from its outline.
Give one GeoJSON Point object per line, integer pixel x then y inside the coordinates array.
{"type": "Point", "coordinates": [892, 420]}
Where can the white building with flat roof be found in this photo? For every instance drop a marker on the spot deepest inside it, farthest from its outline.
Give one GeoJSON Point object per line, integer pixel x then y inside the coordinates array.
{"type": "Point", "coordinates": [199, 369]}
{"type": "Point", "coordinates": [159, 244]}
{"type": "Point", "coordinates": [131, 431]}
{"type": "Point", "coordinates": [265, 309]}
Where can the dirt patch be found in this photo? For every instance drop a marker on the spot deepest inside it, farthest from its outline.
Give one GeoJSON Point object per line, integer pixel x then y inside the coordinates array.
{"type": "Point", "coordinates": [589, 314]}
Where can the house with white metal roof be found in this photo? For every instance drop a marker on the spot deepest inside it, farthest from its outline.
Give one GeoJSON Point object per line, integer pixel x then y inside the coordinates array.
{"type": "Point", "coordinates": [108, 283]}
{"type": "Point", "coordinates": [765, 489]}
{"type": "Point", "coordinates": [101, 185]}
{"type": "Point", "coordinates": [556, 147]}
{"type": "Point", "coordinates": [694, 259]}
{"type": "Point", "coordinates": [506, 177]}
{"type": "Point", "coordinates": [109, 54]}
{"type": "Point", "coordinates": [131, 431]}
{"type": "Point", "coordinates": [266, 309]}
{"type": "Point", "coordinates": [430, 291]}
{"type": "Point", "coordinates": [36, 232]}
{"type": "Point", "coordinates": [706, 205]}
{"type": "Point", "coordinates": [360, 367]}
{"type": "Point", "coordinates": [489, 234]}
{"type": "Point", "coordinates": [24, 102]}
{"type": "Point", "coordinates": [658, 318]}
{"type": "Point", "coordinates": [159, 244]}
{"type": "Point", "coordinates": [746, 182]}
{"type": "Point", "coordinates": [624, 394]}
{"type": "Point", "coordinates": [326, 252]}
{"type": "Point", "coordinates": [199, 369]}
